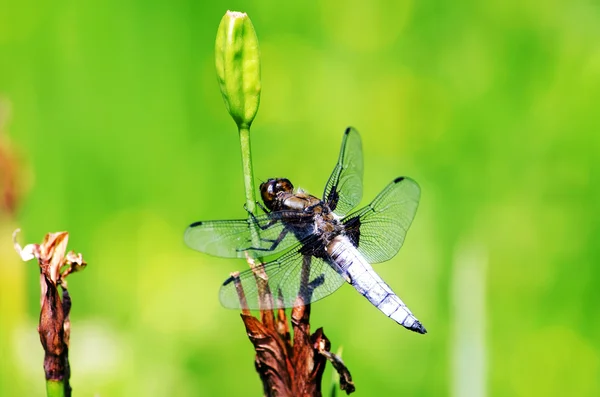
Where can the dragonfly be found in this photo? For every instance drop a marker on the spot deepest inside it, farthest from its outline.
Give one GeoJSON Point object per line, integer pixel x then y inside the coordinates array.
{"type": "Point", "coordinates": [316, 245]}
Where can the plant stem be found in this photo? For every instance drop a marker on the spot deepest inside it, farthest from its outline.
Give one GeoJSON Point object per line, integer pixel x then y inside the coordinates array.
{"type": "Point", "coordinates": [248, 179]}
{"type": "Point", "coordinates": [55, 388]}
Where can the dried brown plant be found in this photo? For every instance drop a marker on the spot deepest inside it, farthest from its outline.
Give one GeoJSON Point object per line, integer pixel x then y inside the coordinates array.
{"type": "Point", "coordinates": [55, 326]}
{"type": "Point", "coordinates": [288, 365]}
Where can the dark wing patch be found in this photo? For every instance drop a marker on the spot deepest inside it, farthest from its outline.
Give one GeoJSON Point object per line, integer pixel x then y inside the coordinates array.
{"type": "Point", "coordinates": [379, 229]}
{"type": "Point", "coordinates": [352, 228]}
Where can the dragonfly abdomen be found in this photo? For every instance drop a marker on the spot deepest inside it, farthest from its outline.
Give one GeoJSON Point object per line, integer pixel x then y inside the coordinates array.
{"type": "Point", "coordinates": [355, 269]}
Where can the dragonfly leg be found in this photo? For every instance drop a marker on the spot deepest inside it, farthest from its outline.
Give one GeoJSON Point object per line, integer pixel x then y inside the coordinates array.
{"type": "Point", "coordinates": [259, 205]}
{"type": "Point", "coordinates": [274, 242]}
{"type": "Point", "coordinates": [262, 207]}
{"type": "Point", "coordinates": [257, 223]}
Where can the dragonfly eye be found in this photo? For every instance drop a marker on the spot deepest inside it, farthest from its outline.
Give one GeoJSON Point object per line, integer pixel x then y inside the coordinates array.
{"type": "Point", "coordinates": [267, 191]}
{"type": "Point", "coordinates": [270, 189]}
{"type": "Point", "coordinates": [284, 185]}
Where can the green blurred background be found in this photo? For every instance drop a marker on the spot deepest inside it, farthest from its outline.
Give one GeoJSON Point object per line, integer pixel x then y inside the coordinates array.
{"type": "Point", "coordinates": [122, 139]}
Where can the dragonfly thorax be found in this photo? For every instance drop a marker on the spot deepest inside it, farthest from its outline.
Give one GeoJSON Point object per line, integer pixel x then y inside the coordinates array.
{"type": "Point", "coordinates": [327, 226]}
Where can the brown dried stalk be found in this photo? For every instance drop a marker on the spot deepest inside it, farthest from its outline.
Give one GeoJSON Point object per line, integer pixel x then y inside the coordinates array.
{"type": "Point", "coordinates": [288, 368]}
{"type": "Point", "coordinates": [55, 326]}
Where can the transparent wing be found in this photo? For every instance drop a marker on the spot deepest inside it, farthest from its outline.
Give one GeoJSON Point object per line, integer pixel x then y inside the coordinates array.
{"type": "Point", "coordinates": [344, 187]}
{"type": "Point", "coordinates": [290, 276]}
{"type": "Point", "coordinates": [378, 230]}
{"type": "Point", "coordinates": [230, 238]}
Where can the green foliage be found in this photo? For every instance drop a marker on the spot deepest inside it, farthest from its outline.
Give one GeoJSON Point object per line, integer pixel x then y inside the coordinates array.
{"type": "Point", "coordinates": [490, 106]}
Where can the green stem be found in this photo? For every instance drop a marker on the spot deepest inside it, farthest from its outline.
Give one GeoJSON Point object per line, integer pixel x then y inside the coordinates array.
{"type": "Point", "coordinates": [55, 388]}
{"type": "Point", "coordinates": [248, 179]}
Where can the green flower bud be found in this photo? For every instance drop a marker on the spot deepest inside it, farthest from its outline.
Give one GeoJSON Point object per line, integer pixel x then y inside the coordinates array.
{"type": "Point", "coordinates": [237, 60]}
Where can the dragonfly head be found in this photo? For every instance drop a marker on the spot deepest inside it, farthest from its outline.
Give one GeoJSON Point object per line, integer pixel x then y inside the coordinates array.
{"type": "Point", "coordinates": [271, 188]}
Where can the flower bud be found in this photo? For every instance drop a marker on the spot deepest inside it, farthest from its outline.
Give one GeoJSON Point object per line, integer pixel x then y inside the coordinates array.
{"type": "Point", "coordinates": [237, 59]}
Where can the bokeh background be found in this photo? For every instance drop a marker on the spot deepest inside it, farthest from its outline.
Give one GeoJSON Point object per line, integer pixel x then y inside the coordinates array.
{"type": "Point", "coordinates": [116, 132]}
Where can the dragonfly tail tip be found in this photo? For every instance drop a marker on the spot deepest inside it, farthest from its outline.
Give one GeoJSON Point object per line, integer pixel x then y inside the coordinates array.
{"type": "Point", "coordinates": [418, 327]}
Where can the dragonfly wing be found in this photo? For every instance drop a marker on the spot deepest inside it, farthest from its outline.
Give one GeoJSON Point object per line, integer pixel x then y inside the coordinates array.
{"type": "Point", "coordinates": [288, 277]}
{"type": "Point", "coordinates": [344, 188]}
{"type": "Point", "coordinates": [379, 229]}
{"type": "Point", "coordinates": [231, 238]}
